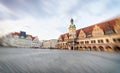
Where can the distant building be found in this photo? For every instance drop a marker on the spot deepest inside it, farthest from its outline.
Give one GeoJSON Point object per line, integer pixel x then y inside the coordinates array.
{"type": "Point", "coordinates": [103, 36]}
{"type": "Point", "coordinates": [21, 39]}
{"type": "Point", "coordinates": [49, 43]}
{"type": "Point", "coordinates": [36, 43]}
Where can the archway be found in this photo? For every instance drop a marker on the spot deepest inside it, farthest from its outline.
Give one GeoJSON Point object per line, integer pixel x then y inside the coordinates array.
{"type": "Point", "coordinates": [80, 48]}
{"type": "Point", "coordinates": [85, 48]}
{"type": "Point", "coordinates": [108, 48]}
{"type": "Point", "coordinates": [94, 48]}
{"type": "Point", "coordinates": [117, 48]}
{"type": "Point", "coordinates": [89, 48]}
{"type": "Point", "coordinates": [71, 47]}
{"type": "Point", "coordinates": [76, 48]}
{"type": "Point", "coordinates": [101, 48]}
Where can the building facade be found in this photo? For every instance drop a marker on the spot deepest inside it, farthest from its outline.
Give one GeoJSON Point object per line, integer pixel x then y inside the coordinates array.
{"type": "Point", "coordinates": [35, 42]}
{"type": "Point", "coordinates": [104, 36]}
{"type": "Point", "coordinates": [20, 39]}
{"type": "Point", "coordinates": [49, 43]}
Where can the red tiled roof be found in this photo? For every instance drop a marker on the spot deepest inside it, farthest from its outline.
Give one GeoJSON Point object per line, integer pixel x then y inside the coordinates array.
{"type": "Point", "coordinates": [77, 32]}
{"type": "Point", "coordinates": [15, 33]}
{"type": "Point", "coordinates": [33, 38]}
{"type": "Point", "coordinates": [29, 35]}
{"type": "Point", "coordinates": [107, 25]}
{"type": "Point", "coordinates": [63, 36]}
{"type": "Point", "coordinates": [18, 33]}
{"type": "Point", "coordinates": [66, 34]}
{"type": "Point", "coordinates": [88, 30]}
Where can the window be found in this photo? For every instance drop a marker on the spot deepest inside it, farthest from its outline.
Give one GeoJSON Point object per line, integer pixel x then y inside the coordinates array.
{"type": "Point", "coordinates": [116, 40]}
{"type": "Point", "coordinates": [100, 41]}
{"type": "Point", "coordinates": [86, 42]}
{"type": "Point", "coordinates": [89, 35]}
{"type": "Point", "coordinates": [107, 40]}
{"type": "Point", "coordinates": [109, 32]}
{"type": "Point", "coordinates": [93, 41]}
{"type": "Point", "coordinates": [81, 42]}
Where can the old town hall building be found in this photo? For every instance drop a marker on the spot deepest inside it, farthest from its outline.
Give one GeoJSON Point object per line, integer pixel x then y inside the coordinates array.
{"type": "Point", "coordinates": [104, 36]}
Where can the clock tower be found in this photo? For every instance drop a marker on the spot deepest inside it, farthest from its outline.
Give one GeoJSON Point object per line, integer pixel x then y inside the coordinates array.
{"type": "Point", "coordinates": [72, 30]}
{"type": "Point", "coordinates": [72, 35]}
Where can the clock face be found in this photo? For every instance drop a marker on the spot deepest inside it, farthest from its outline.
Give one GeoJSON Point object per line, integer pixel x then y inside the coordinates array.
{"type": "Point", "coordinates": [70, 30]}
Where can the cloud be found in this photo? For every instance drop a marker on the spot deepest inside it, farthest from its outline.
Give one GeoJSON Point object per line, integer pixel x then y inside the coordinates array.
{"type": "Point", "coordinates": [50, 18]}
{"type": "Point", "coordinates": [4, 12]}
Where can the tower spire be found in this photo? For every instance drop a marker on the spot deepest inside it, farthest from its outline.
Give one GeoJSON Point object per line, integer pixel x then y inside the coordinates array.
{"type": "Point", "coordinates": [71, 21]}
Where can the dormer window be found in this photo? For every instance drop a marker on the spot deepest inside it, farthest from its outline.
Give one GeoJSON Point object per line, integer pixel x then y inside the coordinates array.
{"type": "Point", "coordinates": [89, 35]}
{"type": "Point", "coordinates": [109, 32]}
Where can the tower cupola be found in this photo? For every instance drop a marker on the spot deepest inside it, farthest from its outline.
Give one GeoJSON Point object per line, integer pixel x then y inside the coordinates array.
{"type": "Point", "coordinates": [72, 23]}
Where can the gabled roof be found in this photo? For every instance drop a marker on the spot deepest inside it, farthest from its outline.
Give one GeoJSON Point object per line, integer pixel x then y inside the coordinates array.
{"type": "Point", "coordinates": [88, 30]}
{"type": "Point", "coordinates": [33, 38]}
{"type": "Point", "coordinates": [66, 34]}
{"type": "Point", "coordinates": [63, 36]}
{"type": "Point", "coordinates": [106, 25]}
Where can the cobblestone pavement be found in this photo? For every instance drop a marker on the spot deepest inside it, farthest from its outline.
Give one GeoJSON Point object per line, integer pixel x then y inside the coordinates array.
{"type": "Point", "coordinates": [57, 61]}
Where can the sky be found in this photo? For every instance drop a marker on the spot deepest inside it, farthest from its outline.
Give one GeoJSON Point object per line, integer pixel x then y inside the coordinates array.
{"type": "Point", "coordinates": [48, 19]}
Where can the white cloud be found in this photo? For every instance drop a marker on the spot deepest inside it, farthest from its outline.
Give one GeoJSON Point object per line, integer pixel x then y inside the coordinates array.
{"type": "Point", "coordinates": [37, 27]}
{"type": "Point", "coordinates": [4, 9]}
{"type": "Point", "coordinates": [55, 20]}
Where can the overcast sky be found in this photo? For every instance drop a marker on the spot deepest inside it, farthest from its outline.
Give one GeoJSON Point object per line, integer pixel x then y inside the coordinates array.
{"type": "Point", "coordinates": [47, 19]}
